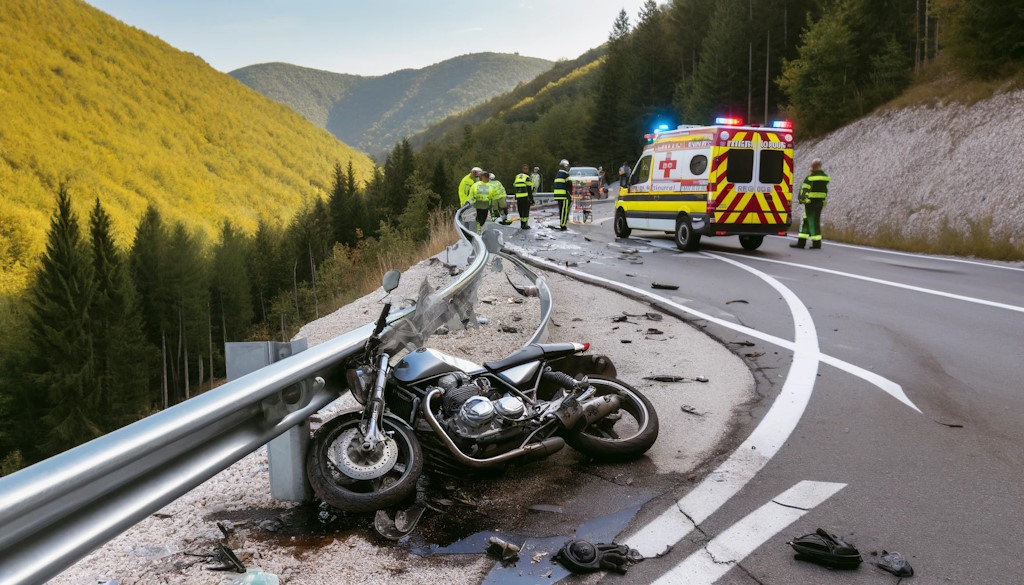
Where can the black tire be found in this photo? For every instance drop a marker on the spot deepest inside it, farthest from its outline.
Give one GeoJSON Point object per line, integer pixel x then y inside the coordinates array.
{"type": "Point", "coordinates": [751, 242]}
{"type": "Point", "coordinates": [685, 238]}
{"type": "Point", "coordinates": [621, 436]}
{"type": "Point", "coordinates": [622, 229]}
{"type": "Point", "coordinates": [354, 495]}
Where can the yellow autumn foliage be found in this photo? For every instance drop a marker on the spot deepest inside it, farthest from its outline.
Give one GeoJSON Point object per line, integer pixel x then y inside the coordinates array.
{"type": "Point", "coordinates": [123, 116]}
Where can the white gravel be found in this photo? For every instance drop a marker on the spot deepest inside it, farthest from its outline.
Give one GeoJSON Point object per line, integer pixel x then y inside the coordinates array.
{"type": "Point", "coordinates": [914, 167]}
{"type": "Point", "coordinates": [173, 546]}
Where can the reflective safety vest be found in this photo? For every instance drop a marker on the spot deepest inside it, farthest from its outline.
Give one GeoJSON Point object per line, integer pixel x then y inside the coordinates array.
{"type": "Point", "coordinates": [522, 185]}
{"type": "Point", "coordinates": [464, 187]}
{"type": "Point", "coordinates": [563, 186]}
{"type": "Point", "coordinates": [497, 190]}
{"type": "Point", "coordinates": [815, 186]}
{"type": "Point", "coordinates": [480, 194]}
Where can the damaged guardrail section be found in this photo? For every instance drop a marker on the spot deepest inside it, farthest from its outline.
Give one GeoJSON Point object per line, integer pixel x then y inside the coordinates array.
{"type": "Point", "coordinates": [60, 509]}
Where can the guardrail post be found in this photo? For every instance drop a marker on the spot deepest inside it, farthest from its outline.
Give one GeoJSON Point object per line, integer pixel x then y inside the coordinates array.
{"type": "Point", "coordinates": [286, 453]}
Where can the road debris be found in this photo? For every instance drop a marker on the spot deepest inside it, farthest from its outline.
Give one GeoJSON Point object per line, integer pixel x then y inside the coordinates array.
{"type": "Point", "coordinates": [742, 343]}
{"type": "Point", "coordinates": [489, 300]}
{"type": "Point", "coordinates": [581, 556]}
{"type": "Point", "coordinates": [895, 563]}
{"type": "Point", "coordinates": [737, 301]}
{"type": "Point", "coordinates": [690, 410]}
{"type": "Point", "coordinates": [402, 524]}
{"type": "Point", "coordinates": [827, 549]}
{"type": "Point", "coordinates": [570, 264]}
{"type": "Point", "coordinates": [229, 558]}
{"type": "Point", "coordinates": [665, 378]}
{"type": "Point", "coordinates": [662, 286]}
{"type": "Point", "coordinates": [653, 331]}
{"type": "Point", "coordinates": [506, 551]}
{"type": "Point", "coordinates": [525, 290]}
{"type": "Point", "coordinates": [508, 329]}
{"type": "Point", "coordinates": [701, 379]}
{"type": "Point", "coordinates": [537, 556]}
{"type": "Point", "coordinates": [754, 354]}
{"type": "Point", "coordinates": [626, 340]}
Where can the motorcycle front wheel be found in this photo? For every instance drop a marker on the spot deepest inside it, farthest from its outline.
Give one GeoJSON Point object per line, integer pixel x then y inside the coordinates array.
{"type": "Point", "coordinates": [622, 435]}
{"type": "Point", "coordinates": [346, 477]}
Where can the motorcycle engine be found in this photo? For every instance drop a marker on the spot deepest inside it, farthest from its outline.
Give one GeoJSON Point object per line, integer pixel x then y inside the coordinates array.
{"type": "Point", "coordinates": [477, 418]}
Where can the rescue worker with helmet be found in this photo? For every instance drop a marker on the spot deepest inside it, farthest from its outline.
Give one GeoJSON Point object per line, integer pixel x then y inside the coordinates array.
{"type": "Point", "coordinates": [563, 193]}
{"type": "Point", "coordinates": [524, 196]}
{"type": "Point", "coordinates": [466, 184]}
{"type": "Point", "coordinates": [537, 179]}
{"type": "Point", "coordinates": [499, 201]}
{"type": "Point", "coordinates": [480, 196]}
{"type": "Point", "coordinates": [813, 193]}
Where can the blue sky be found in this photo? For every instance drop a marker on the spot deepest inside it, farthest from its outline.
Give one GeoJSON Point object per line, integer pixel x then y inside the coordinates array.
{"type": "Point", "coordinates": [370, 37]}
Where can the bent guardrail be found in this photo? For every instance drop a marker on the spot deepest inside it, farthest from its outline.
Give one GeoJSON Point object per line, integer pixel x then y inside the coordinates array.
{"type": "Point", "coordinates": [60, 509]}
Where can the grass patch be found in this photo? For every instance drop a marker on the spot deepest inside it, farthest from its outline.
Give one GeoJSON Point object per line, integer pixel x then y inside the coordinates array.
{"type": "Point", "coordinates": [978, 240]}
{"type": "Point", "coordinates": [940, 82]}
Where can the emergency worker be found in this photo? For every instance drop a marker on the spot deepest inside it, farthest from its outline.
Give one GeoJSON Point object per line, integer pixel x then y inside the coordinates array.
{"type": "Point", "coordinates": [499, 200]}
{"type": "Point", "coordinates": [537, 179]}
{"type": "Point", "coordinates": [467, 184]}
{"type": "Point", "coordinates": [480, 195]}
{"type": "Point", "coordinates": [623, 175]}
{"type": "Point", "coordinates": [563, 193]}
{"type": "Point", "coordinates": [524, 196]}
{"type": "Point", "coordinates": [813, 193]}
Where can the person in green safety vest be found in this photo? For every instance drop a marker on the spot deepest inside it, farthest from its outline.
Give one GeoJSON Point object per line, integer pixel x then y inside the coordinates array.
{"type": "Point", "coordinates": [466, 184]}
{"type": "Point", "coordinates": [813, 193]}
{"type": "Point", "coordinates": [480, 196]}
{"type": "Point", "coordinates": [563, 193]}
{"type": "Point", "coordinates": [524, 196]}
{"type": "Point", "coordinates": [499, 201]}
{"type": "Point", "coordinates": [537, 179]}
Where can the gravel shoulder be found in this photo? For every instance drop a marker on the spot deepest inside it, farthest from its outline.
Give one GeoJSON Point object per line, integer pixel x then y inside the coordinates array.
{"type": "Point", "coordinates": [175, 545]}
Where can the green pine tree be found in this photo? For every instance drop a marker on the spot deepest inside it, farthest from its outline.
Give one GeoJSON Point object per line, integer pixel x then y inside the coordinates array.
{"type": "Point", "coordinates": [230, 292]}
{"type": "Point", "coordinates": [63, 381]}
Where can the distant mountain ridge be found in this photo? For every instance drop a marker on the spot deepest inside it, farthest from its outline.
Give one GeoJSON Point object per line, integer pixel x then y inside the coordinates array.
{"type": "Point", "coordinates": [372, 113]}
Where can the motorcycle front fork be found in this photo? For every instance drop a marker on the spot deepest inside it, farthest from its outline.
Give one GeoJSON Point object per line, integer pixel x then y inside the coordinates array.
{"type": "Point", "coordinates": [373, 436]}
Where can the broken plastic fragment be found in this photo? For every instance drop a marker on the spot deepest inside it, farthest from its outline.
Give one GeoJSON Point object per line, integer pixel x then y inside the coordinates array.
{"type": "Point", "coordinates": [581, 556]}
{"type": "Point", "coordinates": [826, 549]}
{"type": "Point", "coordinates": [506, 551]}
{"type": "Point", "coordinates": [664, 286]}
{"type": "Point", "coordinates": [895, 563]}
{"type": "Point", "coordinates": [701, 379]}
{"type": "Point", "coordinates": [665, 378]}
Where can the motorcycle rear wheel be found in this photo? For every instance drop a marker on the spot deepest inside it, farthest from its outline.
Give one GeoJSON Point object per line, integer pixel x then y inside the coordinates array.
{"type": "Point", "coordinates": [346, 493]}
{"type": "Point", "coordinates": [620, 436]}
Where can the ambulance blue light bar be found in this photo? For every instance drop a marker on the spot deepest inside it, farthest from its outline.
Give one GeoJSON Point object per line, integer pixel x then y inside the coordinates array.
{"type": "Point", "coordinates": [783, 124]}
{"type": "Point", "coordinates": [729, 121]}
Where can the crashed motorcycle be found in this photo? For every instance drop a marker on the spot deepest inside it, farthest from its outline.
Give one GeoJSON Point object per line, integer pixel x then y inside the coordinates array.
{"type": "Point", "coordinates": [468, 418]}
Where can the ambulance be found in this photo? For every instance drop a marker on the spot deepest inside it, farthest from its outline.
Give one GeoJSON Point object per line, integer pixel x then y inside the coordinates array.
{"type": "Point", "coordinates": [727, 179]}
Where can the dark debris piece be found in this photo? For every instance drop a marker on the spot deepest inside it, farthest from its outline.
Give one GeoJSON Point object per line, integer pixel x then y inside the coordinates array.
{"type": "Point", "coordinates": [737, 301]}
{"type": "Point", "coordinates": [895, 563]}
{"type": "Point", "coordinates": [665, 378]}
{"type": "Point", "coordinates": [663, 286]}
{"type": "Point", "coordinates": [581, 556]}
{"type": "Point", "coordinates": [827, 549]}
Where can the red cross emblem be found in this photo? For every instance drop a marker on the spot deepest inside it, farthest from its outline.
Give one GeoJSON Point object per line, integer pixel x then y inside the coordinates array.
{"type": "Point", "coordinates": [667, 165]}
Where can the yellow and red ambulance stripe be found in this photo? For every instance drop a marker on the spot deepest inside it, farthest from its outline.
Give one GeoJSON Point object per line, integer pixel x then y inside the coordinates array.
{"type": "Point", "coordinates": [733, 207]}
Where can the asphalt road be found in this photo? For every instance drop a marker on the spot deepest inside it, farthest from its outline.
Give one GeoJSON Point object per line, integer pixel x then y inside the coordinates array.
{"type": "Point", "coordinates": [892, 410]}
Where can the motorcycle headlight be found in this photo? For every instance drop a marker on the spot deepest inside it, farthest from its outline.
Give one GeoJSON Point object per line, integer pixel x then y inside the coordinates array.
{"type": "Point", "coordinates": [359, 382]}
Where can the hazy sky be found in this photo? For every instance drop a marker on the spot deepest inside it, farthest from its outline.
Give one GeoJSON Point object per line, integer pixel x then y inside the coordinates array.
{"type": "Point", "coordinates": [370, 37]}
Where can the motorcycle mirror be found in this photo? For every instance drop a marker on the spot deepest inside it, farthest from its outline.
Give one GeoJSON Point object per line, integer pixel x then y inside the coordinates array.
{"type": "Point", "coordinates": [390, 280]}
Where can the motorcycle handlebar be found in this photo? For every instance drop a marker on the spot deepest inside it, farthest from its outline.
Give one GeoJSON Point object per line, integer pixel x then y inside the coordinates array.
{"type": "Point", "coordinates": [382, 320]}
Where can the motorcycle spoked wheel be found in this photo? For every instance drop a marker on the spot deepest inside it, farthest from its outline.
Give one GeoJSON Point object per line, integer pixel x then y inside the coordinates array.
{"type": "Point", "coordinates": [391, 487]}
{"type": "Point", "coordinates": [622, 435]}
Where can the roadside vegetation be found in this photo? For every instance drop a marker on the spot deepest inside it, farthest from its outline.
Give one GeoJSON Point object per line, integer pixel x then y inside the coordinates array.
{"type": "Point", "coordinates": [978, 240]}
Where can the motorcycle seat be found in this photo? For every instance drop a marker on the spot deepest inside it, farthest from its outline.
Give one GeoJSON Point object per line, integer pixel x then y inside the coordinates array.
{"type": "Point", "coordinates": [530, 353]}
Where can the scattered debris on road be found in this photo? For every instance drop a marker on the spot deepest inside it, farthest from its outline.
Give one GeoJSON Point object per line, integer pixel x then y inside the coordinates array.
{"type": "Point", "coordinates": [581, 556]}
{"type": "Point", "coordinates": [742, 343]}
{"type": "Point", "coordinates": [525, 290]}
{"type": "Point", "coordinates": [701, 379]}
{"type": "Point", "coordinates": [827, 549]}
{"type": "Point", "coordinates": [690, 410]}
{"type": "Point", "coordinates": [737, 301]}
{"type": "Point", "coordinates": [665, 378]}
{"type": "Point", "coordinates": [662, 286]}
{"type": "Point", "coordinates": [505, 551]}
{"type": "Point", "coordinates": [895, 563]}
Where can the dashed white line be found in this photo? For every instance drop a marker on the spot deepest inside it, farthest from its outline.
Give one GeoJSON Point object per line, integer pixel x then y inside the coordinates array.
{"type": "Point", "coordinates": [721, 554]}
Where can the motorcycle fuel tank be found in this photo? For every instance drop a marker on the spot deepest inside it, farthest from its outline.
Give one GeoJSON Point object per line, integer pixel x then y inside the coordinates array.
{"type": "Point", "coordinates": [426, 363]}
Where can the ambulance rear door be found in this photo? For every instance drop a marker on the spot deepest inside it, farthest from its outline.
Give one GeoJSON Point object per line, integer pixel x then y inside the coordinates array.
{"type": "Point", "coordinates": [752, 182]}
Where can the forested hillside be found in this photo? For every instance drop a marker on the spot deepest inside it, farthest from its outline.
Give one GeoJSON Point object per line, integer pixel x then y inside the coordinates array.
{"type": "Point", "coordinates": [118, 114]}
{"type": "Point", "coordinates": [373, 113]}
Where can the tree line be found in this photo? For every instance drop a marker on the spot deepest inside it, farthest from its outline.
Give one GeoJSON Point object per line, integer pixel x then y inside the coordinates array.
{"type": "Point", "coordinates": [818, 63]}
{"type": "Point", "coordinates": [110, 335]}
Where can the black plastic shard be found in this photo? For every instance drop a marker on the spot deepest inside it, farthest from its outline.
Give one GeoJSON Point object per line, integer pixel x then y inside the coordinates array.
{"type": "Point", "coordinates": [894, 563]}
{"type": "Point", "coordinates": [827, 549]}
{"type": "Point", "coordinates": [582, 556]}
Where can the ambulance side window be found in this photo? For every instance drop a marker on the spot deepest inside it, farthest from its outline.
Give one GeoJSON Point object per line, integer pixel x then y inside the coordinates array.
{"type": "Point", "coordinates": [770, 171]}
{"type": "Point", "coordinates": [741, 166]}
{"type": "Point", "coordinates": [642, 173]}
{"type": "Point", "coordinates": [698, 164]}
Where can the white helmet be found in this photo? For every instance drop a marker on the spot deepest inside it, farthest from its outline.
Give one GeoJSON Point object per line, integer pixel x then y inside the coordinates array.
{"type": "Point", "coordinates": [475, 171]}
{"type": "Point", "coordinates": [564, 164]}
{"type": "Point", "coordinates": [491, 176]}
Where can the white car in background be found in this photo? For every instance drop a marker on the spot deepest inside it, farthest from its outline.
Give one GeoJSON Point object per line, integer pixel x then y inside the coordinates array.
{"type": "Point", "coordinates": [589, 178]}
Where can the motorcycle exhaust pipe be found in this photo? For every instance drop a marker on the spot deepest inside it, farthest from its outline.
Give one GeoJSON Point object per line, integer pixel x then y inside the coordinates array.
{"type": "Point", "coordinates": [597, 408]}
{"type": "Point", "coordinates": [533, 451]}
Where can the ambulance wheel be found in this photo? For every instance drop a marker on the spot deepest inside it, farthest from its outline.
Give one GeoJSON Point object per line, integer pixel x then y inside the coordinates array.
{"type": "Point", "coordinates": [751, 242]}
{"type": "Point", "coordinates": [621, 227]}
{"type": "Point", "coordinates": [685, 238]}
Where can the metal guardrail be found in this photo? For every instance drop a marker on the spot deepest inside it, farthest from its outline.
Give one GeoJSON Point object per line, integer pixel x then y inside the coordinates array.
{"type": "Point", "coordinates": [60, 509]}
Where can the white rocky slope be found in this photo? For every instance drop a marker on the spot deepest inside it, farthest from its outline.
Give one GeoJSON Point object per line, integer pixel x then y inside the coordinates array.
{"type": "Point", "coordinates": [913, 167]}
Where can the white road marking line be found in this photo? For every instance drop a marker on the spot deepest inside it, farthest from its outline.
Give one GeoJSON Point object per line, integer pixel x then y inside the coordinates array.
{"type": "Point", "coordinates": [929, 291]}
{"type": "Point", "coordinates": [757, 450]}
{"type": "Point", "coordinates": [912, 255]}
{"type": "Point", "coordinates": [721, 554]}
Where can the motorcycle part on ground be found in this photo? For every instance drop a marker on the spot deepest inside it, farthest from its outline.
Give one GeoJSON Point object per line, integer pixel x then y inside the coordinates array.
{"type": "Point", "coordinates": [401, 524]}
{"type": "Point", "coordinates": [504, 550]}
{"type": "Point", "coordinates": [354, 494]}
{"type": "Point", "coordinates": [582, 556]}
{"type": "Point", "coordinates": [619, 436]}
{"type": "Point", "coordinates": [827, 549]}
